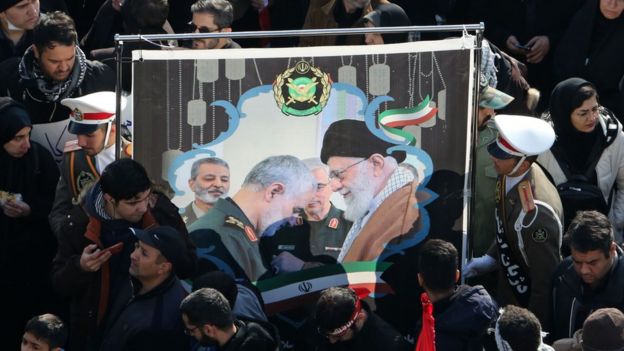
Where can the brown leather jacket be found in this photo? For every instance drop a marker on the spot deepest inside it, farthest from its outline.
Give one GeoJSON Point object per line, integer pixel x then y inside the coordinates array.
{"type": "Point", "coordinates": [321, 16]}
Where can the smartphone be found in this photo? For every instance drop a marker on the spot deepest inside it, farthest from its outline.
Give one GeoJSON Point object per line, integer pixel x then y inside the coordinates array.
{"type": "Point", "coordinates": [523, 47]}
{"type": "Point", "coordinates": [113, 249]}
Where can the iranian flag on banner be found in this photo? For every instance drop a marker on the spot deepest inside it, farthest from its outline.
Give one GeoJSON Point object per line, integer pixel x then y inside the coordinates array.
{"type": "Point", "coordinates": [392, 121]}
{"type": "Point", "coordinates": [290, 290]}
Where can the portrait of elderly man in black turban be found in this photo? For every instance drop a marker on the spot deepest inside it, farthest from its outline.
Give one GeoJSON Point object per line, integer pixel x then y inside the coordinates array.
{"type": "Point", "coordinates": [382, 200]}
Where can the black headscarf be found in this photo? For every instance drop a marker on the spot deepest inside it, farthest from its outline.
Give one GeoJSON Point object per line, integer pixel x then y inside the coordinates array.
{"type": "Point", "coordinates": [576, 146]}
{"type": "Point", "coordinates": [13, 118]}
{"type": "Point", "coordinates": [390, 15]}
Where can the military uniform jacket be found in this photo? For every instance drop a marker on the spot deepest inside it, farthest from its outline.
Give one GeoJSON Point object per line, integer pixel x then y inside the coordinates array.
{"type": "Point", "coordinates": [189, 216]}
{"type": "Point", "coordinates": [310, 241]}
{"type": "Point", "coordinates": [77, 170]}
{"type": "Point", "coordinates": [226, 240]}
{"type": "Point", "coordinates": [535, 247]}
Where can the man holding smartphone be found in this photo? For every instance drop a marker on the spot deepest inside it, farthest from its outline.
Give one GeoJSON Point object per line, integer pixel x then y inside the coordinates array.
{"type": "Point", "coordinates": [83, 269]}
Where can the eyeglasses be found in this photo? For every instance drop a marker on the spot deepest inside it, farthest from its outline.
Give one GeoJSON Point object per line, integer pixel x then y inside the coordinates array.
{"type": "Point", "coordinates": [190, 331]}
{"type": "Point", "coordinates": [587, 114]}
{"type": "Point", "coordinates": [192, 28]}
{"type": "Point", "coordinates": [339, 172]}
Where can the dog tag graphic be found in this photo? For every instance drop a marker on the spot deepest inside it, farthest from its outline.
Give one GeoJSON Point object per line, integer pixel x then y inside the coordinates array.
{"type": "Point", "coordinates": [167, 159]}
{"type": "Point", "coordinates": [196, 113]}
{"type": "Point", "coordinates": [207, 70]}
{"type": "Point", "coordinates": [442, 104]}
{"type": "Point", "coordinates": [347, 75]}
{"type": "Point", "coordinates": [235, 69]}
{"type": "Point", "coordinates": [379, 78]}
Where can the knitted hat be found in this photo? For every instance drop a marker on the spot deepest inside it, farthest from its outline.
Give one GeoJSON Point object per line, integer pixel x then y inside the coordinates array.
{"type": "Point", "coordinates": [351, 138]}
{"type": "Point", "coordinates": [603, 330]}
{"type": "Point", "coordinates": [13, 118]}
{"type": "Point", "coordinates": [7, 4]}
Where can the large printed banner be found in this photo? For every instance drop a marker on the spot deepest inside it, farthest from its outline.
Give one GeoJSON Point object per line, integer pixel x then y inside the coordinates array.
{"type": "Point", "coordinates": [245, 105]}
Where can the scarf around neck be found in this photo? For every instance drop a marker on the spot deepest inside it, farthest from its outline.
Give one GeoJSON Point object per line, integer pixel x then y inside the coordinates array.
{"type": "Point", "coordinates": [53, 91]}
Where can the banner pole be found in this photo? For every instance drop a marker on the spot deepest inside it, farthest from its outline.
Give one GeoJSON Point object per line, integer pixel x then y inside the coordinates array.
{"type": "Point", "coordinates": [118, 56]}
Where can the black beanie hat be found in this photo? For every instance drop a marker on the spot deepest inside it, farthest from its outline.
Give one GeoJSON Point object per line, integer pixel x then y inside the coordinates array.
{"type": "Point", "coordinates": [7, 4]}
{"type": "Point", "coordinates": [13, 118]}
{"type": "Point", "coordinates": [351, 138]}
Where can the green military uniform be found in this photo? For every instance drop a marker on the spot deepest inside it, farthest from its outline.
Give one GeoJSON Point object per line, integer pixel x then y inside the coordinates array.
{"type": "Point", "coordinates": [310, 241]}
{"type": "Point", "coordinates": [483, 224]}
{"type": "Point", "coordinates": [191, 214]}
{"type": "Point", "coordinates": [226, 240]}
{"type": "Point", "coordinates": [77, 171]}
{"type": "Point", "coordinates": [528, 242]}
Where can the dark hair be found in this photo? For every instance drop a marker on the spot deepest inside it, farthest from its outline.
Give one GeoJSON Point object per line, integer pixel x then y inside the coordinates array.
{"type": "Point", "coordinates": [49, 328]}
{"type": "Point", "coordinates": [520, 328]}
{"type": "Point", "coordinates": [583, 93]}
{"type": "Point", "coordinates": [590, 230]}
{"type": "Point", "coordinates": [437, 263]}
{"type": "Point", "coordinates": [334, 307]}
{"type": "Point", "coordinates": [54, 28]}
{"type": "Point", "coordinates": [124, 179]}
{"type": "Point", "coordinates": [221, 10]}
{"type": "Point", "coordinates": [219, 281]}
{"type": "Point", "coordinates": [146, 13]}
{"type": "Point", "coordinates": [207, 306]}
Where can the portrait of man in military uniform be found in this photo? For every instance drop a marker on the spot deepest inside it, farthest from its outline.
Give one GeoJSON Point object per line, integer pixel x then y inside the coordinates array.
{"type": "Point", "coordinates": [209, 181]}
{"type": "Point", "coordinates": [316, 237]}
{"type": "Point", "coordinates": [227, 237]}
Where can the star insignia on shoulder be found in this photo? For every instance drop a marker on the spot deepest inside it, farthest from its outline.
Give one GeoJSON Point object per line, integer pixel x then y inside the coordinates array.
{"type": "Point", "coordinates": [233, 221]}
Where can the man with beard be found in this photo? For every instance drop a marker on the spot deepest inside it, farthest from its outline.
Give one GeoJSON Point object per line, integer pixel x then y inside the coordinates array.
{"type": "Point", "coordinates": [226, 237]}
{"type": "Point", "coordinates": [336, 14]}
{"type": "Point", "coordinates": [210, 181]}
{"type": "Point", "coordinates": [381, 201]}
{"type": "Point", "coordinates": [208, 318]}
{"type": "Point", "coordinates": [17, 20]}
{"type": "Point", "coordinates": [92, 121]}
{"type": "Point", "coordinates": [344, 322]}
{"type": "Point", "coordinates": [316, 238]}
{"type": "Point", "coordinates": [52, 69]}
{"type": "Point", "coordinates": [210, 16]}
{"type": "Point", "coordinates": [93, 257]}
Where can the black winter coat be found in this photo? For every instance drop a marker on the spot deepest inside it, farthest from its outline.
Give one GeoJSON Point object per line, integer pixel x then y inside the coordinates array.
{"type": "Point", "coordinates": [98, 77]}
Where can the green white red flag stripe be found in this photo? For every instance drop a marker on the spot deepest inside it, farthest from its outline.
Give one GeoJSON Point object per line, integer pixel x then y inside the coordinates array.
{"type": "Point", "coordinates": [392, 120]}
{"type": "Point", "coordinates": [289, 290]}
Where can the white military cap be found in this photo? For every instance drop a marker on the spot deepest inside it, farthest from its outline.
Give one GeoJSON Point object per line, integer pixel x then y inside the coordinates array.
{"type": "Point", "coordinates": [89, 111]}
{"type": "Point", "coordinates": [520, 136]}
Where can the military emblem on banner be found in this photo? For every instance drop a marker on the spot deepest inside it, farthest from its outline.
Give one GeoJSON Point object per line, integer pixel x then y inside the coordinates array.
{"type": "Point", "coordinates": [302, 90]}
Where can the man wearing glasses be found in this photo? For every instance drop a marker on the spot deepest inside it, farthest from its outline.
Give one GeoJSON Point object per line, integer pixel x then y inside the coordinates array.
{"type": "Point", "coordinates": [210, 16]}
{"type": "Point", "coordinates": [381, 201]}
{"type": "Point", "coordinates": [316, 238]}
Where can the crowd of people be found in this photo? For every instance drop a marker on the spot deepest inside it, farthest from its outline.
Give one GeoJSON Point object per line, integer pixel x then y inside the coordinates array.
{"type": "Point", "coordinates": [96, 257]}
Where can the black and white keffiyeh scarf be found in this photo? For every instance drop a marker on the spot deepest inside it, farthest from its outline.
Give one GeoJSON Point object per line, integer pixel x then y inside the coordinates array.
{"type": "Point", "coordinates": [30, 72]}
